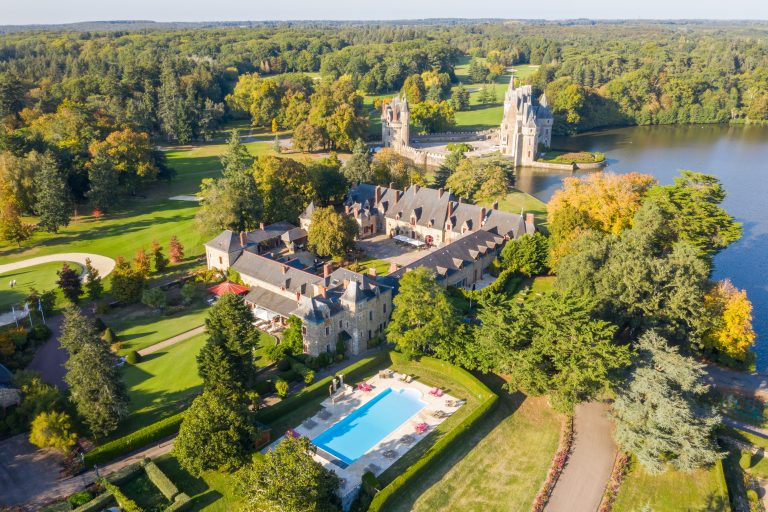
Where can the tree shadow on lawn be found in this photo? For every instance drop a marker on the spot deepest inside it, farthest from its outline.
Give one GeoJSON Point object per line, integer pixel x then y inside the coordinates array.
{"type": "Point", "coordinates": [506, 406]}
{"type": "Point", "coordinates": [196, 488]}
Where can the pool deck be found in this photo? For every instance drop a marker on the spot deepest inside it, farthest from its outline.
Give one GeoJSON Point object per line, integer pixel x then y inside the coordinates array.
{"type": "Point", "coordinates": [344, 402]}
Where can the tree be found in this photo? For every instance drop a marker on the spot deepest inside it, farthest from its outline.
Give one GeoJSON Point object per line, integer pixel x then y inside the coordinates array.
{"type": "Point", "coordinates": [422, 316]}
{"type": "Point", "coordinates": [307, 137]}
{"type": "Point", "coordinates": [93, 285]}
{"type": "Point", "coordinates": [95, 384]}
{"type": "Point", "coordinates": [52, 430]}
{"type": "Point", "coordinates": [480, 178]}
{"type": "Point", "coordinates": [331, 233]}
{"type": "Point", "coordinates": [154, 298]}
{"type": "Point", "coordinates": [76, 329]}
{"type": "Point", "coordinates": [430, 116]}
{"type": "Point", "coordinates": [730, 313]}
{"type": "Point", "coordinates": [288, 479]}
{"type": "Point", "coordinates": [158, 258]}
{"type": "Point", "coordinates": [692, 206]}
{"type": "Point", "coordinates": [330, 185]}
{"type": "Point", "coordinates": [188, 292]}
{"type": "Point", "coordinates": [217, 367]}
{"type": "Point", "coordinates": [285, 187]}
{"type": "Point", "coordinates": [292, 339]}
{"type": "Point", "coordinates": [103, 183]}
{"type": "Point", "coordinates": [258, 96]}
{"type": "Point", "coordinates": [127, 282]}
{"type": "Point", "coordinates": [236, 160]}
{"type": "Point", "coordinates": [413, 89]}
{"type": "Point", "coordinates": [603, 202]}
{"type": "Point", "coordinates": [69, 283]}
{"type": "Point", "coordinates": [660, 410]}
{"type": "Point", "coordinates": [230, 324]}
{"type": "Point", "coordinates": [527, 254]}
{"type": "Point", "coordinates": [175, 250]}
{"type": "Point", "coordinates": [216, 434]}
{"type": "Point", "coordinates": [131, 156]}
{"type": "Point", "coordinates": [552, 344]}
{"type": "Point", "coordinates": [141, 262]}
{"type": "Point", "coordinates": [12, 229]}
{"type": "Point", "coordinates": [460, 99]}
{"type": "Point", "coordinates": [276, 147]}
{"type": "Point", "coordinates": [478, 72]}
{"type": "Point", "coordinates": [52, 197]}
{"type": "Point", "coordinates": [390, 167]}
{"type": "Point", "coordinates": [357, 168]}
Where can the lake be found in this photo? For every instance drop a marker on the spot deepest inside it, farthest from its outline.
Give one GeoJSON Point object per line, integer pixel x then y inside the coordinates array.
{"type": "Point", "coordinates": [738, 155]}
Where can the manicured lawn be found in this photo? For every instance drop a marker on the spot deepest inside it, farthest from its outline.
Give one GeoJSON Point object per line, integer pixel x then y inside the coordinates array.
{"type": "Point", "coordinates": [673, 491]}
{"type": "Point", "coordinates": [213, 491]}
{"type": "Point", "coordinates": [141, 490]}
{"type": "Point", "coordinates": [161, 384]}
{"type": "Point", "coordinates": [500, 466]}
{"type": "Point", "coordinates": [141, 328]}
{"type": "Point", "coordinates": [517, 201]}
{"type": "Point", "coordinates": [41, 277]}
{"type": "Point", "coordinates": [364, 264]}
{"type": "Point", "coordinates": [542, 285]}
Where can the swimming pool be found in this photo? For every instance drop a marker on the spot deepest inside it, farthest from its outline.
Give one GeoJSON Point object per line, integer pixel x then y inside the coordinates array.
{"type": "Point", "coordinates": [351, 437]}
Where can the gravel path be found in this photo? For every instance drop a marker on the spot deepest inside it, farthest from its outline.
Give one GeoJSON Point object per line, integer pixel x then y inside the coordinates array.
{"type": "Point", "coordinates": [101, 263]}
{"type": "Point", "coordinates": [582, 482]}
{"type": "Point", "coordinates": [172, 341]}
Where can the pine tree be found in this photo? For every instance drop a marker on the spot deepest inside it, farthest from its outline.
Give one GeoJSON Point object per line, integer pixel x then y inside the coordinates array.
{"type": "Point", "coordinates": [158, 258]}
{"type": "Point", "coordinates": [12, 229]}
{"type": "Point", "coordinates": [52, 198]}
{"type": "Point", "coordinates": [175, 250]}
{"type": "Point", "coordinates": [358, 166]}
{"type": "Point", "coordinates": [661, 413]}
{"type": "Point", "coordinates": [103, 183]}
{"type": "Point", "coordinates": [69, 283]}
{"type": "Point", "coordinates": [93, 285]}
{"type": "Point", "coordinates": [217, 367]}
{"type": "Point", "coordinates": [96, 387]}
{"type": "Point", "coordinates": [276, 147]}
{"type": "Point", "coordinates": [236, 159]}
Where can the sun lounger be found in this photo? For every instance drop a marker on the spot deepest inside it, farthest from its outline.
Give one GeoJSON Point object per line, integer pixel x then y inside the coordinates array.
{"type": "Point", "coordinates": [421, 428]}
{"type": "Point", "coordinates": [390, 454]}
{"type": "Point", "coordinates": [407, 439]}
{"type": "Point", "coordinates": [436, 392]}
{"type": "Point", "coordinates": [440, 414]}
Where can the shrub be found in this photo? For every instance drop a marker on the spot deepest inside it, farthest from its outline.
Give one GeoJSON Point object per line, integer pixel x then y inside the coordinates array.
{"type": "Point", "coordinates": [371, 484]}
{"type": "Point", "coordinates": [40, 332]}
{"type": "Point", "coordinates": [134, 440]}
{"type": "Point", "coordinates": [52, 430]}
{"type": "Point", "coordinates": [264, 387]}
{"type": "Point", "coordinates": [309, 376]}
{"type": "Point", "coordinates": [109, 336]}
{"type": "Point", "coordinates": [284, 365]}
{"type": "Point", "coordinates": [80, 498]}
{"type": "Point", "coordinates": [123, 501]}
{"type": "Point", "coordinates": [281, 386]}
{"type": "Point", "coordinates": [133, 357]}
{"type": "Point", "coordinates": [182, 502]}
{"type": "Point", "coordinates": [161, 481]}
{"type": "Point", "coordinates": [97, 504]}
{"type": "Point", "coordinates": [128, 472]}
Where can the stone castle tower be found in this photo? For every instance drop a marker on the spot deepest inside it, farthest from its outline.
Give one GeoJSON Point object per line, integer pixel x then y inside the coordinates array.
{"type": "Point", "coordinates": [395, 119]}
{"type": "Point", "coordinates": [524, 126]}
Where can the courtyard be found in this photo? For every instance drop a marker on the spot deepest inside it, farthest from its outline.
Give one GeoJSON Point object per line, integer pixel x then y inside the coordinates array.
{"type": "Point", "coordinates": [383, 248]}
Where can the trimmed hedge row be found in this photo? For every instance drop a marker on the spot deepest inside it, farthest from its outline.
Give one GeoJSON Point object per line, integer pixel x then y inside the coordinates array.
{"type": "Point", "coordinates": [97, 504]}
{"type": "Point", "coordinates": [134, 440]}
{"type": "Point", "coordinates": [161, 481]}
{"type": "Point", "coordinates": [123, 475]}
{"type": "Point", "coordinates": [433, 455]}
{"type": "Point", "coordinates": [320, 388]}
{"type": "Point", "coordinates": [182, 502]}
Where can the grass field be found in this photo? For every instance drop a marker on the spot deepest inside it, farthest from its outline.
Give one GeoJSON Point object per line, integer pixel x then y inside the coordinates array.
{"type": "Point", "coordinates": [673, 491]}
{"type": "Point", "coordinates": [141, 490]}
{"type": "Point", "coordinates": [212, 492]}
{"type": "Point", "coordinates": [517, 201]}
{"type": "Point", "coordinates": [140, 329]}
{"type": "Point", "coordinates": [500, 467]}
{"type": "Point", "coordinates": [41, 277]}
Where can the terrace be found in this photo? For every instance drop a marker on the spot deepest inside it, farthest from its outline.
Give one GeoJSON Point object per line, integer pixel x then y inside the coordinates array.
{"type": "Point", "coordinates": [344, 423]}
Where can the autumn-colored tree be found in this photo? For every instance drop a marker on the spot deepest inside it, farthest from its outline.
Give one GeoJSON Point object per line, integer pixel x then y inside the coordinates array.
{"type": "Point", "coordinates": [331, 233]}
{"type": "Point", "coordinates": [285, 187]}
{"type": "Point", "coordinates": [141, 262]}
{"type": "Point", "coordinates": [175, 250]}
{"type": "Point", "coordinates": [414, 89]}
{"type": "Point", "coordinates": [389, 167]}
{"type": "Point", "coordinates": [603, 202]}
{"type": "Point", "coordinates": [730, 312]}
{"type": "Point", "coordinates": [131, 155]}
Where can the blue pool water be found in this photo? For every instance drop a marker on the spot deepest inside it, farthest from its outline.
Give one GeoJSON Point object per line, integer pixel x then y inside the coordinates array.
{"type": "Point", "coordinates": [350, 438]}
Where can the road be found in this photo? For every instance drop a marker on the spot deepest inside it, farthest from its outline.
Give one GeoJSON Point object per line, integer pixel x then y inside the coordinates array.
{"type": "Point", "coordinates": [753, 384]}
{"type": "Point", "coordinates": [172, 341]}
{"type": "Point", "coordinates": [582, 482]}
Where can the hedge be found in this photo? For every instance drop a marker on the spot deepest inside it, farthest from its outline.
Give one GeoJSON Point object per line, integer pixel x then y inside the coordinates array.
{"type": "Point", "coordinates": [97, 504]}
{"type": "Point", "coordinates": [320, 388]}
{"type": "Point", "coordinates": [433, 455]}
{"type": "Point", "coordinates": [126, 473]}
{"type": "Point", "coordinates": [134, 440]}
{"type": "Point", "coordinates": [182, 502]}
{"type": "Point", "coordinates": [161, 481]}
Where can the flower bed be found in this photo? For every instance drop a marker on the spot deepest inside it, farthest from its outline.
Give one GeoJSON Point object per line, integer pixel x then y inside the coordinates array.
{"type": "Point", "coordinates": [558, 463]}
{"type": "Point", "coordinates": [620, 468]}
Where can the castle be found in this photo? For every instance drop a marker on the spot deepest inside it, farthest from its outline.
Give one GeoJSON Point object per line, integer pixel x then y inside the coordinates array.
{"type": "Point", "coordinates": [525, 127]}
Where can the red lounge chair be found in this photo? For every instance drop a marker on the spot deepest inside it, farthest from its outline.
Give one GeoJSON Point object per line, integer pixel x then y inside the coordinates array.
{"type": "Point", "coordinates": [436, 392]}
{"type": "Point", "coordinates": [421, 428]}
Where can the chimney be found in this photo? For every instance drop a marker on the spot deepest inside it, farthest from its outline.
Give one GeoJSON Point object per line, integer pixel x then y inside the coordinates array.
{"type": "Point", "coordinates": [450, 208]}
{"type": "Point", "coordinates": [378, 194]}
{"type": "Point", "coordinates": [529, 218]}
{"type": "Point", "coordinates": [416, 188]}
{"type": "Point", "coordinates": [327, 270]}
{"type": "Point", "coordinates": [372, 271]}
{"type": "Point", "coordinates": [298, 296]}
{"type": "Point", "coordinates": [440, 193]}
{"type": "Point", "coordinates": [242, 239]}
{"type": "Point", "coordinates": [392, 267]}
{"type": "Point", "coordinates": [482, 217]}
{"type": "Point", "coordinates": [261, 226]}
{"type": "Point", "coordinates": [320, 290]}
{"type": "Point", "coordinates": [285, 269]}
{"type": "Point", "coordinates": [391, 184]}
{"type": "Point", "coordinates": [397, 196]}
{"type": "Point", "coordinates": [346, 209]}
{"type": "Point", "coordinates": [496, 205]}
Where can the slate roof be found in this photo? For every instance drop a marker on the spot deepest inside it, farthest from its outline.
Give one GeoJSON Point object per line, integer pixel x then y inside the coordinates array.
{"type": "Point", "coordinates": [229, 241]}
{"type": "Point", "coordinates": [447, 260]}
{"type": "Point", "coordinates": [272, 301]}
{"type": "Point", "coordinates": [275, 273]}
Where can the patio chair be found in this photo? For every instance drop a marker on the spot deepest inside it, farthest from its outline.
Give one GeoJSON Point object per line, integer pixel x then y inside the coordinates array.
{"type": "Point", "coordinates": [308, 423]}
{"type": "Point", "coordinates": [324, 414]}
{"type": "Point", "coordinates": [407, 439]}
{"type": "Point", "coordinates": [440, 414]}
{"type": "Point", "coordinates": [389, 454]}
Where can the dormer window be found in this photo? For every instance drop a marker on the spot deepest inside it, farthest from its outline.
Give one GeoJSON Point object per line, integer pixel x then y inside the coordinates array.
{"type": "Point", "coordinates": [448, 226]}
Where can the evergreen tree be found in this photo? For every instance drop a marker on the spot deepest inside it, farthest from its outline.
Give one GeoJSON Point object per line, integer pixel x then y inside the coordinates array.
{"type": "Point", "coordinates": [661, 413]}
{"type": "Point", "coordinates": [236, 159]}
{"type": "Point", "coordinates": [53, 200]}
{"type": "Point", "coordinates": [76, 330]}
{"type": "Point", "coordinates": [103, 183]}
{"type": "Point", "coordinates": [141, 262]}
{"type": "Point", "coordinates": [69, 283]}
{"type": "Point", "coordinates": [460, 99]}
{"type": "Point", "coordinates": [158, 258]}
{"type": "Point", "coordinates": [422, 317]}
{"type": "Point", "coordinates": [127, 283]}
{"type": "Point", "coordinates": [216, 434]}
{"type": "Point", "coordinates": [217, 367]}
{"type": "Point", "coordinates": [96, 387]}
{"type": "Point", "coordinates": [357, 168]}
{"type": "Point", "coordinates": [527, 254]}
{"type": "Point", "coordinates": [276, 147]}
{"type": "Point", "coordinates": [230, 324]}
{"type": "Point", "coordinates": [173, 107]}
{"type": "Point", "coordinates": [93, 285]}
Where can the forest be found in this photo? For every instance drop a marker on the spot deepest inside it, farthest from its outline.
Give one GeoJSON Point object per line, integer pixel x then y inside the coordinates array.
{"type": "Point", "coordinates": [82, 112]}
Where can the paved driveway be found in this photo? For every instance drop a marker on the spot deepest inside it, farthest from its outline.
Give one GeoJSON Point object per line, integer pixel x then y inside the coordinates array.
{"type": "Point", "coordinates": [381, 247]}
{"type": "Point", "coordinates": [582, 482]}
{"type": "Point", "coordinates": [24, 470]}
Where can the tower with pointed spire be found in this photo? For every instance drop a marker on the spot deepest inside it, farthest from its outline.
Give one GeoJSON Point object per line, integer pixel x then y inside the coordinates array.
{"type": "Point", "coordinates": [525, 126]}
{"type": "Point", "coordinates": [395, 119]}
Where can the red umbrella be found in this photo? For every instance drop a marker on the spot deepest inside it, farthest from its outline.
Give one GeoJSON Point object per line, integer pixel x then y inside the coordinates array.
{"type": "Point", "coordinates": [227, 287]}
